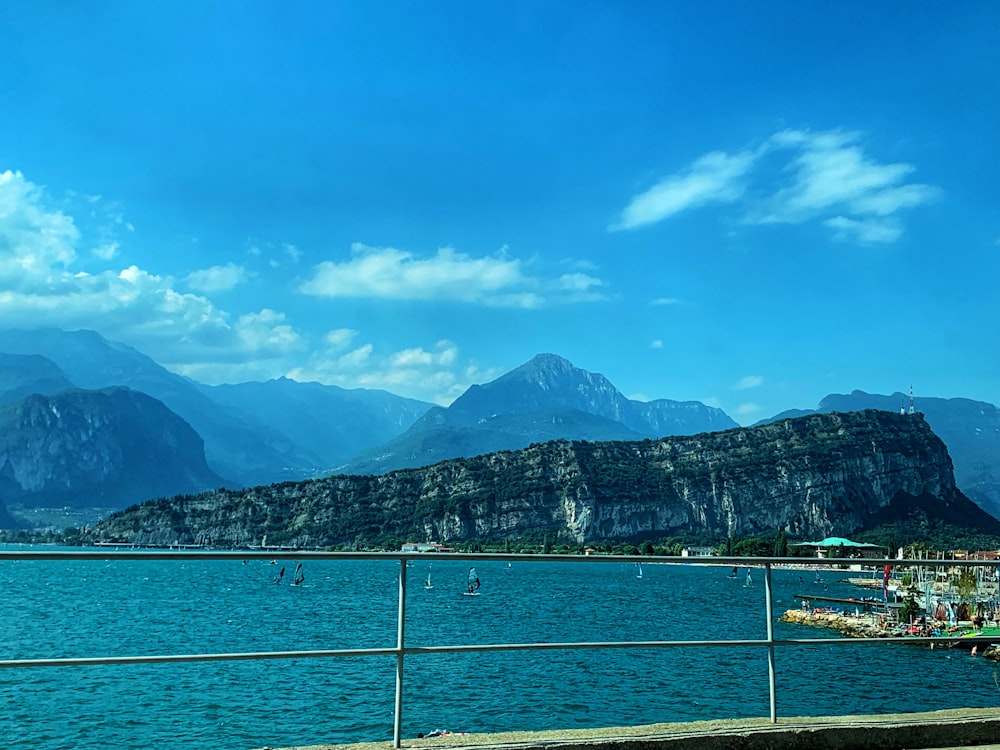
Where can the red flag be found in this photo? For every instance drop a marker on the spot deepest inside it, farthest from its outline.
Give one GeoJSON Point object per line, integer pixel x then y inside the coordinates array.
{"type": "Point", "coordinates": [885, 582]}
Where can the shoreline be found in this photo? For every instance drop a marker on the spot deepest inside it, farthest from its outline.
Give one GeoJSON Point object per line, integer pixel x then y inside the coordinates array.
{"type": "Point", "coordinates": [871, 626]}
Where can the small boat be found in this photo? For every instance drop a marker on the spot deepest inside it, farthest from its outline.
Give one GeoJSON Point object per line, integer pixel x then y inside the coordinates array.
{"type": "Point", "coordinates": [427, 583]}
{"type": "Point", "coordinates": [638, 570]}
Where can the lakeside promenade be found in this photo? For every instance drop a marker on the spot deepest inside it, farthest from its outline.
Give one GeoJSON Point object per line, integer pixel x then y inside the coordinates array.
{"type": "Point", "coordinates": [935, 730]}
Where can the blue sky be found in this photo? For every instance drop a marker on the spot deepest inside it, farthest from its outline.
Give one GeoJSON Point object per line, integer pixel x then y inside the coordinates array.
{"type": "Point", "coordinates": [747, 204]}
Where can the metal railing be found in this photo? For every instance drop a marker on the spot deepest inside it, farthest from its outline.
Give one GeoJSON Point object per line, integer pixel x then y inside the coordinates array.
{"type": "Point", "coordinates": [400, 651]}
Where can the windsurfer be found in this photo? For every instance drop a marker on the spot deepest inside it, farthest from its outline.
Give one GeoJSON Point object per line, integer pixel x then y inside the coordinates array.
{"type": "Point", "coordinates": [473, 581]}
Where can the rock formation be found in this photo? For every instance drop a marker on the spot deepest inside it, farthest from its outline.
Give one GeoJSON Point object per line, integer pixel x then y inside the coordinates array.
{"type": "Point", "coordinates": [813, 476]}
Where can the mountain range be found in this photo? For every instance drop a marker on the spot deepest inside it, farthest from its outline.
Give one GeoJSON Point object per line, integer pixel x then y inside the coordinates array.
{"type": "Point", "coordinates": [544, 399]}
{"type": "Point", "coordinates": [283, 430]}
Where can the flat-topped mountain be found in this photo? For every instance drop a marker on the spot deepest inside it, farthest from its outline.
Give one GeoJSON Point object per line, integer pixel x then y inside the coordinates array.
{"type": "Point", "coordinates": [546, 398]}
{"type": "Point", "coordinates": [818, 475]}
{"type": "Point", "coordinates": [970, 429]}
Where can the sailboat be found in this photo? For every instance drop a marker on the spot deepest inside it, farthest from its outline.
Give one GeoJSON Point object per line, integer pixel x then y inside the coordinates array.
{"type": "Point", "coordinates": [638, 571]}
{"type": "Point", "coordinates": [474, 583]}
{"type": "Point", "coordinates": [427, 583]}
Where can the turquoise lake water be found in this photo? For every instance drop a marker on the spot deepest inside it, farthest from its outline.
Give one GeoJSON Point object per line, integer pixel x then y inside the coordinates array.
{"type": "Point", "coordinates": [103, 608]}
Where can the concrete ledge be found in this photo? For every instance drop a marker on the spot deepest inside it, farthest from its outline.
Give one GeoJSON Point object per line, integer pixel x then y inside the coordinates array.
{"type": "Point", "coordinates": [935, 729]}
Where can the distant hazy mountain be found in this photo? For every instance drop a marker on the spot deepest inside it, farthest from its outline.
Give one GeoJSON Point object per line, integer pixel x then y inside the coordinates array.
{"type": "Point", "coordinates": [108, 448]}
{"type": "Point", "coordinates": [544, 399]}
{"type": "Point", "coordinates": [334, 422]}
{"type": "Point", "coordinates": [254, 433]}
{"type": "Point", "coordinates": [970, 429]}
{"type": "Point", "coordinates": [24, 374]}
{"type": "Point", "coordinates": [242, 450]}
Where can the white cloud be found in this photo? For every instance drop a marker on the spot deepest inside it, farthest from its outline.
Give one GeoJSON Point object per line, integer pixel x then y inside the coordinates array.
{"type": "Point", "coordinates": [357, 358]}
{"type": "Point", "coordinates": [493, 280]}
{"type": "Point", "coordinates": [444, 354]}
{"type": "Point", "coordinates": [267, 330]}
{"type": "Point", "coordinates": [217, 278]}
{"type": "Point", "coordinates": [106, 250]}
{"type": "Point", "coordinates": [432, 374]}
{"type": "Point", "coordinates": [864, 230]}
{"type": "Point", "coordinates": [749, 381]}
{"type": "Point", "coordinates": [716, 177]}
{"type": "Point", "coordinates": [746, 410]}
{"type": "Point", "coordinates": [831, 172]}
{"type": "Point", "coordinates": [890, 200]}
{"type": "Point", "coordinates": [41, 287]}
{"type": "Point", "coordinates": [340, 337]}
{"type": "Point", "coordinates": [33, 238]}
{"type": "Point", "coordinates": [835, 181]}
{"type": "Point", "coordinates": [665, 301]}
{"type": "Point", "coordinates": [823, 176]}
{"type": "Point", "coordinates": [656, 344]}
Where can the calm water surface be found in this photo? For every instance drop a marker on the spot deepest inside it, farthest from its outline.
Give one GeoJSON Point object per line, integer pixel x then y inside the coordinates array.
{"type": "Point", "coordinates": [100, 608]}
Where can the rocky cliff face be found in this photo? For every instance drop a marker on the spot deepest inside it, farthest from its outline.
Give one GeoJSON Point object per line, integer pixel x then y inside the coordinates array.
{"type": "Point", "coordinates": [104, 448]}
{"type": "Point", "coordinates": [812, 476]}
{"type": "Point", "coordinates": [970, 429]}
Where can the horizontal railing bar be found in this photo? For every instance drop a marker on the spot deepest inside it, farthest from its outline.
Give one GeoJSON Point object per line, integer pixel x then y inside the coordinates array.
{"type": "Point", "coordinates": [464, 648]}
{"type": "Point", "coordinates": [171, 658]}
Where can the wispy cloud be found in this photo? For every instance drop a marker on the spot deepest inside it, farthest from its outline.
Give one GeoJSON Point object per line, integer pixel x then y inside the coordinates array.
{"type": "Point", "coordinates": [716, 177]}
{"type": "Point", "coordinates": [493, 280]}
{"type": "Point", "coordinates": [824, 176]}
{"type": "Point", "coordinates": [217, 278]}
{"type": "Point", "coordinates": [831, 173]}
{"type": "Point", "coordinates": [665, 301]}
{"type": "Point", "coordinates": [749, 381]}
{"type": "Point", "coordinates": [746, 410]}
{"type": "Point", "coordinates": [864, 230]}
{"type": "Point", "coordinates": [106, 250]}
{"type": "Point", "coordinates": [340, 337]}
{"type": "Point", "coordinates": [656, 344]}
{"type": "Point", "coordinates": [436, 373]}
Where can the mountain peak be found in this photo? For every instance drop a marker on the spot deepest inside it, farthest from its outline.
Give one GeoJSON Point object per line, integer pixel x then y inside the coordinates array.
{"type": "Point", "coordinates": [547, 361]}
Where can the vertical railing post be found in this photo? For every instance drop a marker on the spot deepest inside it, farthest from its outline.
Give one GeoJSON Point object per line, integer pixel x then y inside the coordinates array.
{"type": "Point", "coordinates": [770, 643]}
{"type": "Point", "coordinates": [397, 720]}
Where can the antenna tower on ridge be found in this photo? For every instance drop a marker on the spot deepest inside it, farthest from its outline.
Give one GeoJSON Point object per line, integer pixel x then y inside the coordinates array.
{"type": "Point", "coordinates": [911, 399]}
